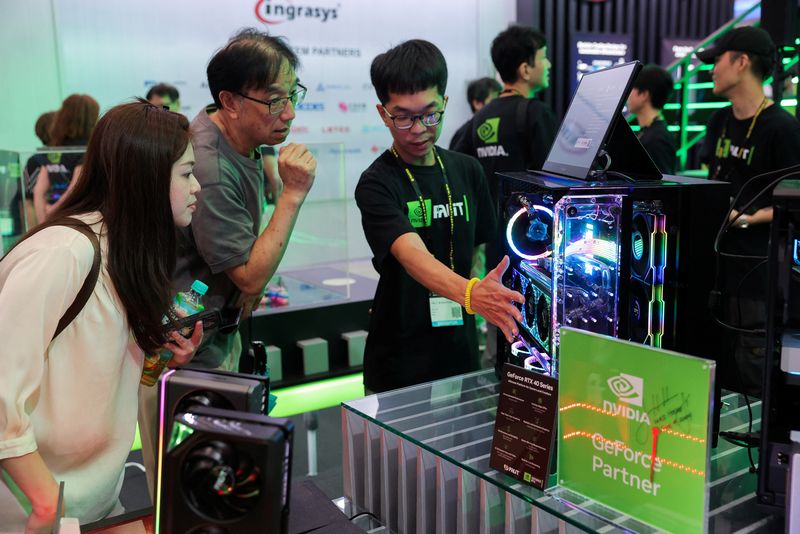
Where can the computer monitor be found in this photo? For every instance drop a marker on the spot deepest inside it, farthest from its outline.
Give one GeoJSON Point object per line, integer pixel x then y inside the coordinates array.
{"type": "Point", "coordinates": [593, 122]}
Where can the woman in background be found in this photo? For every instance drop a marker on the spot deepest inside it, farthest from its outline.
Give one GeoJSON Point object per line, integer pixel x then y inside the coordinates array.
{"type": "Point", "coordinates": [68, 402]}
{"type": "Point", "coordinates": [71, 127]}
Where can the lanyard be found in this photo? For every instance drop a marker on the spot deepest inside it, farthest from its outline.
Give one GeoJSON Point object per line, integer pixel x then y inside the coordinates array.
{"type": "Point", "coordinates": [418, 192]}
{"type": "Point", "coordinates": [721, 138]}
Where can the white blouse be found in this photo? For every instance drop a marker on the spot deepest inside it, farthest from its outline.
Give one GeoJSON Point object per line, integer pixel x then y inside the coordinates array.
{"type": "Point", "coordinates": [75, 399]}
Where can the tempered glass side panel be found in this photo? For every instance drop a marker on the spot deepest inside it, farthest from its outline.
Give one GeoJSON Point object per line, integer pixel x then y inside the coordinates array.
{"type": "Point", "coordinates": [586, 264]}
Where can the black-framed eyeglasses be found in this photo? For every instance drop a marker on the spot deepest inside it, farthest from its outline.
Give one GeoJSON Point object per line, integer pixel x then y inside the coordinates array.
{"type": "Point", "coordinates": [405, 122]}
{"type": "Point", "coordinates": [277, 105]}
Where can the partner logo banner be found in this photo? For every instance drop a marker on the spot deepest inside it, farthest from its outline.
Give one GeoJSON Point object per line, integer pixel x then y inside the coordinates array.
{"type": "Point", "coordinates": [634, 429]}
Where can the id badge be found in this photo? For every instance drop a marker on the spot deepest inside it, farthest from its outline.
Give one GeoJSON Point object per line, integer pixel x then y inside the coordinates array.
{"type": "Point", "coordinates": [445, 312]}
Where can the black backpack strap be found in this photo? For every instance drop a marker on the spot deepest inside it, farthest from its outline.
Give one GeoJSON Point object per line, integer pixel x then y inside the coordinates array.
{"type": "Point", "coordinates": [91, 279]}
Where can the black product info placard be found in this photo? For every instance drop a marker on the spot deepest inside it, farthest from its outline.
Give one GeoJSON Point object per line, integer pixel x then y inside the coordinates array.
{"type": "Point", "coordinates": [523, 429]}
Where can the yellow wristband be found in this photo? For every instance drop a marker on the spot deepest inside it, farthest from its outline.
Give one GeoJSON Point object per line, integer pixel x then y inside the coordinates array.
{"type": "Point", "coordinates": [468, 295]}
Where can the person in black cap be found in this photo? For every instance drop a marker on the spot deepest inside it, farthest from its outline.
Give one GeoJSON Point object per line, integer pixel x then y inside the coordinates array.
{"type": "Point", "coordinates": [649, 93]}
{"type": "Point", "coordinates": [750, 137]}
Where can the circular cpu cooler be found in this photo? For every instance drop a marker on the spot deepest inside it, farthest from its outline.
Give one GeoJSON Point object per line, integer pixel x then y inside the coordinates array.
{"type": "Point", "coordinates": [530, 232]}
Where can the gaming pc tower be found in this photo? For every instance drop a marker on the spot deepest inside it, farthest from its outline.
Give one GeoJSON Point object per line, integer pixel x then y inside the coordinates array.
{"type": "Point", "coordinates": [632, 260]}
{"type": "Point", "coordinates": [779, 463]}
{"type": "Point", "coordinates": [600, 241]}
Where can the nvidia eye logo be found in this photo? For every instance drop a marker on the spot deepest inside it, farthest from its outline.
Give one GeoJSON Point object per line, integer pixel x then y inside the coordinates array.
{"type": "Point", "coordinates": [627, 388]}
{"type": "Point", "coordinates": [487, 132]}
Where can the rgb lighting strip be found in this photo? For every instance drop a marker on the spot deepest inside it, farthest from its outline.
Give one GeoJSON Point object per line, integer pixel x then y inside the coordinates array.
{"type": "Point", "coordinates": [658, 260]}
{"type": "Point", "coordinates": [161, 430]}
{"type": "Point", "coordinates": [510, 239]}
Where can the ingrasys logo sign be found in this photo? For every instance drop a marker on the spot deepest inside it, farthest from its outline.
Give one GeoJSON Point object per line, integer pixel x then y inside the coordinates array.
{"type": "Point", "coordinates": [279, 11]}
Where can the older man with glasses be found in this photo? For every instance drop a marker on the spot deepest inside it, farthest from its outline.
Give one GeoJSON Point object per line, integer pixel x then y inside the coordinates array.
{"type": "Point", "coordinates": [254, 85]}
{"type": "Point", "coordinates": [255, 90]}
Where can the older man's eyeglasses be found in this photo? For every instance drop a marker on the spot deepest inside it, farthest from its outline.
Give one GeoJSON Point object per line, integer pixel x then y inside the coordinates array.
{"type": "Point", "coordinates": [277, 105]}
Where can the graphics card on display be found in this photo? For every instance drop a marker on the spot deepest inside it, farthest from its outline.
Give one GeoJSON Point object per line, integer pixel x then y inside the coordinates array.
{"type": "Point", "coordinates": [225, 472]}
{"type": "Point", "coordinates": [536, 310]}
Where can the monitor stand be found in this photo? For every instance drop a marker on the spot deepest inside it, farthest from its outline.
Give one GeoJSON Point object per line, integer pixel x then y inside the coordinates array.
{"type": "Point", "coordinates": [628, 158]}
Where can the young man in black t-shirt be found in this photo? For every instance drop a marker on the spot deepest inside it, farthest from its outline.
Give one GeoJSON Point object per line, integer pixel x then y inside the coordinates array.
{"type": "Point", "coordinates": [649, 93]}
{"type": "Point", "coordinates": [514, 131]}
{"type": "Point", "coordinates": [751, 137]}
{"type": "Point", "coordinates": [424, 209]}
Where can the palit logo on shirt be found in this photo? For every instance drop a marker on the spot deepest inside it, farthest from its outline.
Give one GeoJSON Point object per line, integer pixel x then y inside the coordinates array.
{"type": "Point", "coordinates": [279, 11]}
{"type": "Point", "coordinates": [440, 211]}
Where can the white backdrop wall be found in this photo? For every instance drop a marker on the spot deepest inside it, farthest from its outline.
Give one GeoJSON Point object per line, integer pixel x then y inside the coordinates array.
{"type": "Point", "coordinates": [114, 50]}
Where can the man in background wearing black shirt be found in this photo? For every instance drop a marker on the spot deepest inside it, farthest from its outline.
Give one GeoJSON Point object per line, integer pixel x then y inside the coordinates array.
{"type": "Point", "coordinates": [479, 93]}
{"type": "Point", "coordinates": [649, 93]}
{"type": "Point", "coordinates": [424, 209]}
{"type": "Point", "coordinates": [514, 131]}
{"type": "Point", "coordinates": [750, 137]}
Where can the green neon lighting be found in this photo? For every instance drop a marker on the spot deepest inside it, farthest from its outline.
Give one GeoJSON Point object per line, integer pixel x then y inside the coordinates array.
{"type": "Point", "coordinates": [700, 105]}
{"type": "Point", "coordinates": [677, 128]}
{"type": "Point", "coordinates": [317, 395]}
{"type": "Point", "coordinates": [698, 85]}
{"type": "Point", "coordinates": [137, 440]}
{"type": "Point", "coordinates": [180, 433]}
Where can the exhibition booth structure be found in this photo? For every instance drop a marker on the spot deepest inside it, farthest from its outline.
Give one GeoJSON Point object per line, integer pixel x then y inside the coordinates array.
{"type": "Point", "coordinates": [607, 413]}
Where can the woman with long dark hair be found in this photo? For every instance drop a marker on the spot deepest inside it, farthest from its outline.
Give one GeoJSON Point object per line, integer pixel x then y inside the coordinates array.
{"type": "Point", "coordinates": [68, 397]}
{"type": "Point", "coordinates": [71, 129]}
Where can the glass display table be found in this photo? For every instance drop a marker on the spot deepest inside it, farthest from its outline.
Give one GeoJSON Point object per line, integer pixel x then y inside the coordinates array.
{"type": "Point", "coordinates": [418, 458]}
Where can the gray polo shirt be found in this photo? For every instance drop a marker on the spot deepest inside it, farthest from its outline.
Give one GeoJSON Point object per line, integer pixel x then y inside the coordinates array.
{"type": "Point", "coordinates": [224, 226]}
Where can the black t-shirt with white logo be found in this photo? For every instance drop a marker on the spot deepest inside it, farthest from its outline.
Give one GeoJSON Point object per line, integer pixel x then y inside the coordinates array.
{"type": "Point", "coordinates": [499, 144]}
{"type": "Point", "coordinates": [774, 143]}
{"type": "Point", "coordinates": [402, 347]}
